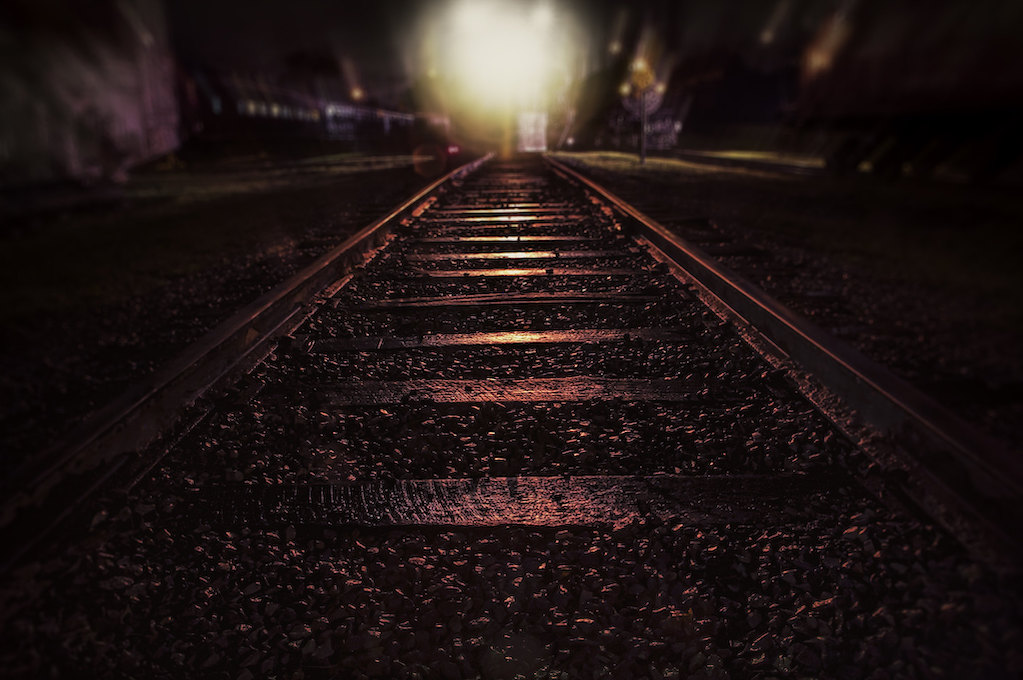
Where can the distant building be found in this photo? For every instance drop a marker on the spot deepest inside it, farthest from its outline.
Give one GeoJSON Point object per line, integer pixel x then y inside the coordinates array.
{"type": "Point", "coordinates": [532, 134]}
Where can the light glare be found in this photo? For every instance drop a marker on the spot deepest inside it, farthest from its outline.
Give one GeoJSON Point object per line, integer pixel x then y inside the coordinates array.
{"type": "Point", "coordinates": [499, 54]}
{"type": "Point", "coordinates": [543, 16]}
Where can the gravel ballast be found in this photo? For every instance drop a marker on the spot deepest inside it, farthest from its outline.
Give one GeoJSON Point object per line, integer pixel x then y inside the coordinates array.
{"type": "Point", "coordinates": [843, 581]}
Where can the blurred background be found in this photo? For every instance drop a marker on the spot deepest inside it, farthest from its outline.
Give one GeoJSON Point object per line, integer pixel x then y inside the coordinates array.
{"type": "Point", "coordinates": [91, 89]}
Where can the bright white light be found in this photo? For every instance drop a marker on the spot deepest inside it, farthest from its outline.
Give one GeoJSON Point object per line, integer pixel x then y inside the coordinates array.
{"type": "Point", "coordinates": [532, 132]}
{"type": "Point", "coordinates": [469, 15]}
{"type": "Point", "coordinates": [543, 16]}
{"type": "Point", "coordinates": [500, 53]}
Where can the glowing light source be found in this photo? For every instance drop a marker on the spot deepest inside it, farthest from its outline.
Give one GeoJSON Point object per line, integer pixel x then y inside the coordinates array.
{"type": "Point", "coordinates": [543, 16]}
{"type": "Point", "coordinates": [775, 22]}
{"type": "Point", "coordinates": [357, 94]}
{"type": "Point", "coordinates": [642, 75]}
{"type": "Point", "coordinates": [501, 53]}
{"type": "Point", "coordinates": [827, 45]}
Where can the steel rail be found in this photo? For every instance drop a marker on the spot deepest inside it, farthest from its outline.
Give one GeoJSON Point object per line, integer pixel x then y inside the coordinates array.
{"type": "Point", "coordinates": [969, 467]}
{"type": "Point", "coordinates": [71, 470]}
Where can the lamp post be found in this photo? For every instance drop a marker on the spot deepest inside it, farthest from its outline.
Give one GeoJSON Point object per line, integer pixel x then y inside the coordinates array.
{"type": "Point", "coordinates": [642, 92]}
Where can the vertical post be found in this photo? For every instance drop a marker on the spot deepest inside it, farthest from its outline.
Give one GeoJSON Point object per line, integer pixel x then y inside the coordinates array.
{"type": "Point", "coordinates": [640, 81]}
{"type": "Point", "coordinates": [642, 127]}
{"type": "Point", "coordinates": [508, 135]}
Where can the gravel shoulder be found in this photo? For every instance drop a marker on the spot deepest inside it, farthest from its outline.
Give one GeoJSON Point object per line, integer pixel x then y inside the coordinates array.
{"type": "Point", "coordinates": [923, 278]}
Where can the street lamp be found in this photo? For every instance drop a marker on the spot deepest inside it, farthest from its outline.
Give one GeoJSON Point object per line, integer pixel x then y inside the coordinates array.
{"type": "Point", "coordinates": [642, 92]}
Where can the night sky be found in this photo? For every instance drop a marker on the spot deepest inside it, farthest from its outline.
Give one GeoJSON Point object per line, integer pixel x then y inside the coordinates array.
{"type": "Point", "coordinates": [379, 38]}
{"type": "Point", "coordinates": [382, 40]}
{"type": "Point", "coordinates": [257, 35]}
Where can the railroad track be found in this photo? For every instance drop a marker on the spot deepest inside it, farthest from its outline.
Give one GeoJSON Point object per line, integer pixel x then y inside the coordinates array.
{"type": "Point", "coordinates": [516, 443]}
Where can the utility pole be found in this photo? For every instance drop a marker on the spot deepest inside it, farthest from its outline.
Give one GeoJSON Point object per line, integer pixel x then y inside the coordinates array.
{"type": "Point", "coordinates": [642, 129]}
{"type": "Point", "coordinates": [641, 88]}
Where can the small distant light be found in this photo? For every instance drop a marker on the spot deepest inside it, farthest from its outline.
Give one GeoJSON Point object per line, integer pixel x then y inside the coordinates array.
{"type": "Point", "coordinates": [358, 94]}
{"type": "Point", "coordinates": [275, 110]}
{"type": "Point", "coordinates": [453, 149]}
{"type": "Point", "coordinates": [624, 89]}
{"type": "Point", "coordinates": [660, 88]}
{"type": "Point", "coordinates": [639, 64]}
{"type": "Point", "coordinates": [615, 47]}
{"type": "Point", "coordinates": [570, 141]}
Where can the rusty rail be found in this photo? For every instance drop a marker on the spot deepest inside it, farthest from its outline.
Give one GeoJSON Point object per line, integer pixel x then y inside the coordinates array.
{"type": "Point", "coordinates": [968, 467]}
{"type": "Point", "coordinates": [52, 484]}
